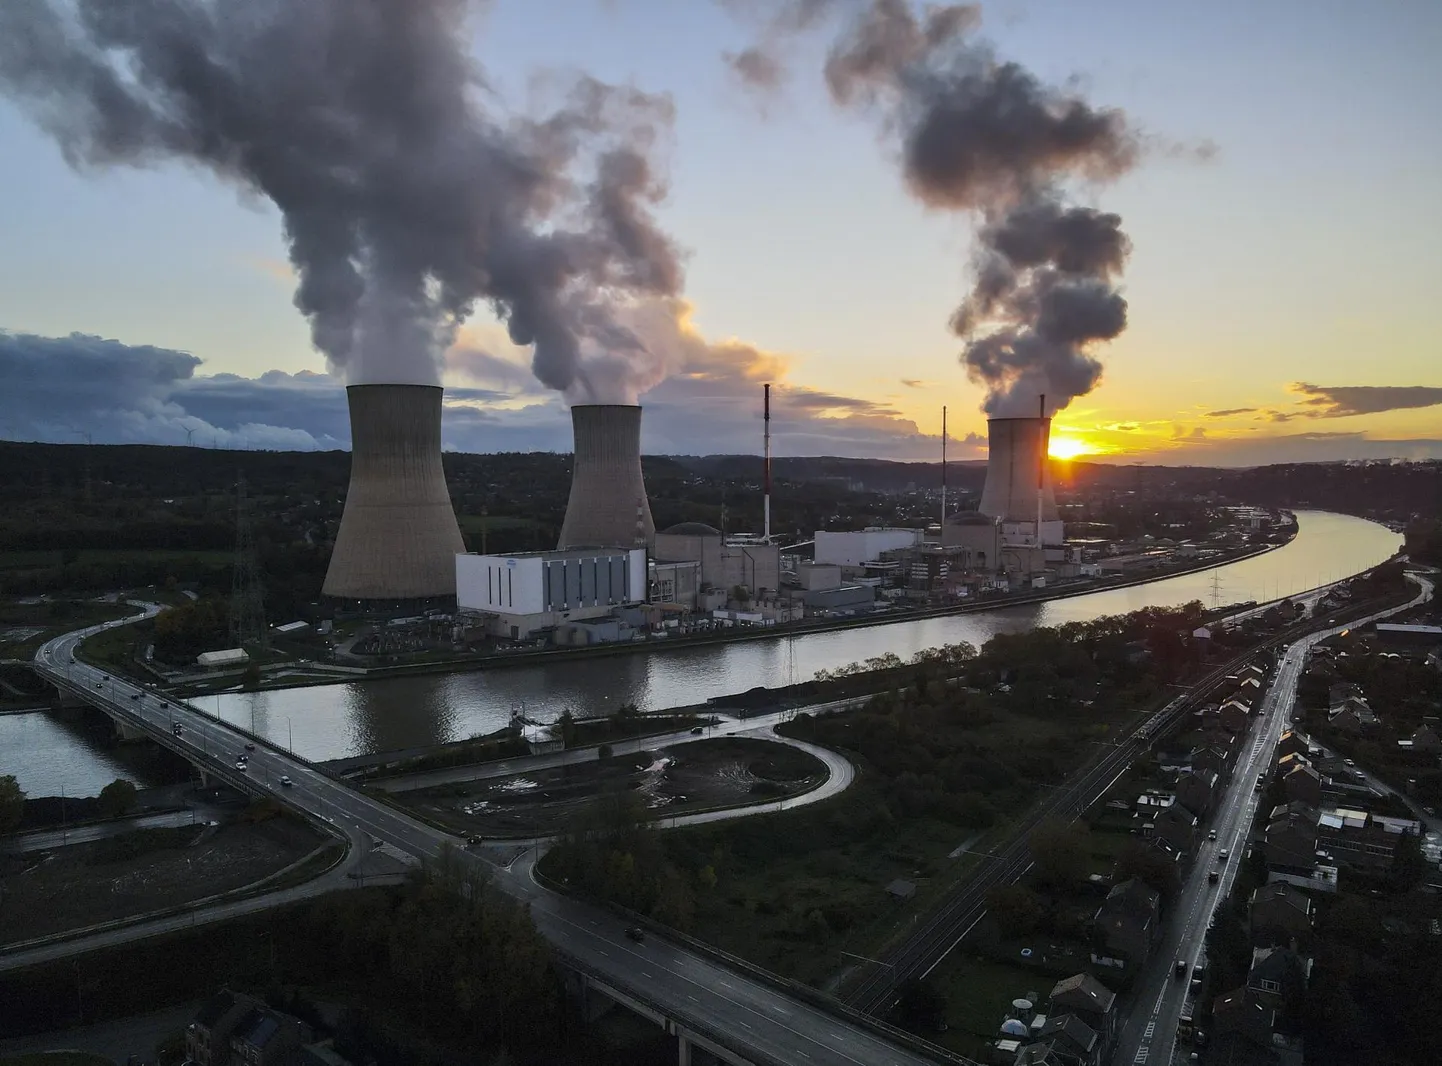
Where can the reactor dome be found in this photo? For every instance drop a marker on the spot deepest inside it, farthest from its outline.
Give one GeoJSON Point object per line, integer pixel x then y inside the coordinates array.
{"type": "Point", "coordinates": [692, 529]}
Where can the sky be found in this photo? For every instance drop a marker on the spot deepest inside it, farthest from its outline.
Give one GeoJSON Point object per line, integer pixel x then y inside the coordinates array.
{"type": "Point", "coordinates": [1281, 288]}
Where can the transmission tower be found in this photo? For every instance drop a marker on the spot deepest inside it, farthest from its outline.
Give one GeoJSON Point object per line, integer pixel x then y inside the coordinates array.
{"type": "Point", "coordinates": [1216, 589]}
{"type": "Point", "coordinates": [247, 605]}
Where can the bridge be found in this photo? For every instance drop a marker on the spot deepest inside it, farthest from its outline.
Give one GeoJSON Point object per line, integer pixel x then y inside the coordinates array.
{"type": "Point", "coordinates": [717, 1010]}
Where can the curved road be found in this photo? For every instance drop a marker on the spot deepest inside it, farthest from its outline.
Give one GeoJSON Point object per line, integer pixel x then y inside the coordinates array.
{"type": "Point", "coordinates": [757, 1019]}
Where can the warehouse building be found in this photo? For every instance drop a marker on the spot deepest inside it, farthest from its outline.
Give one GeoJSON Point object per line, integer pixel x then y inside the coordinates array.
{"type": "Point", "coordinates": [521, 595]}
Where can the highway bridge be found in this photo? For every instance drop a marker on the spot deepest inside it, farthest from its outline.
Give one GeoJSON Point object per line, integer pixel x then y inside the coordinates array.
{"type": "Point", "coordinates": [734, 1016]}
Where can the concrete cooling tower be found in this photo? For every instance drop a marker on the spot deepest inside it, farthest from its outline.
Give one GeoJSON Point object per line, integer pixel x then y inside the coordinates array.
{"type": "Point", "coordinates": [608, 505]}
{"type": "Point", "coordinates": [398, 535]}
{"type": "Point", "coordinates": [1018, 478]}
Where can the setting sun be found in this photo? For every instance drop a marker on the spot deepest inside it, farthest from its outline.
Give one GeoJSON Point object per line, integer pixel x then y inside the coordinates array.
{"type": "Point", "coordinates": [1068, 448]}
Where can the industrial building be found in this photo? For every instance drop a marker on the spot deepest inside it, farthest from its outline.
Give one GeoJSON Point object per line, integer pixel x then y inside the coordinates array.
{"type": "Point", "coordinates": [726, 563]}
{"type": "Point", "coordinates": [518, 596]}
{"type": "Point", "coordinates": [398, 535]}
{"type": "Point", "coordinates": [608, 504]}
{"type": "Point", "coordinates": [863, 546]}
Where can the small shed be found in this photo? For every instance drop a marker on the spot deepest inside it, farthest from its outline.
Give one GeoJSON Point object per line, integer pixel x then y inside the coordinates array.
{"type": "Point", "coordinates": [216, 660]}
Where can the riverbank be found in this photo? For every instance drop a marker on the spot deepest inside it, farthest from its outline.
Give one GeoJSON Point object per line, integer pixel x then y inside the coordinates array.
{"type": "Point", "coordinates": [512, 660]}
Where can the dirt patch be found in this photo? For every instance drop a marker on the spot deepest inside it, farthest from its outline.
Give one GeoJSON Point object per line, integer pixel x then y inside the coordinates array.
{"type": "Point", "coordinates": [84, 884]}
{"type": "Point", "coordinates": [686, 777]}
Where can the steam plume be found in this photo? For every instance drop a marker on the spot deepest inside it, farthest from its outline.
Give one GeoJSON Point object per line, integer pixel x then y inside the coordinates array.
{"type": "Point", "coordinates": [405, 199]}
{"type": "Point", "coordinates": [984, 136]}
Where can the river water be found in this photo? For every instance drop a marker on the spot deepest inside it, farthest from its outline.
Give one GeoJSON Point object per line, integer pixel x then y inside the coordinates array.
{"type": "Point", "coordinates": [333, 721]}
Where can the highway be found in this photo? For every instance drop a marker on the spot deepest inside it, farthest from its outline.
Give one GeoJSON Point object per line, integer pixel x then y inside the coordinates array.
{"type": "Point", "coordinates": [753, 1017]}
{"type": "Point", "coordinates": [1148, 1032]}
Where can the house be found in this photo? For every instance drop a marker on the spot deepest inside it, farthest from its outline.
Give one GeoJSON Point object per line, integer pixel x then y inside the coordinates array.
{"type": "Point", "coordinates": [1214, 757]}
{"type": "Point", "coordinates": [1291, 839]}
{"type": "Point", "coordinates": [1178, 827]}
{"type": "Point", "coordinates": [1278, 977]}
{"type": "Point", "coordinates": [1128, 922]}
{"type": "Point", "coordinates": [264, 1037]}
{"type": "Point", "coordinates": [1072, 1039]}
{"type": "Point", "coordinates": [207, 1038]}
{"type": "Point", "coordinates": [1352, 716]}
{"type": "Point", "coordinates": [1234, 715]}
{"type": "Point", "coordinates": [1303, 784]}
{"type": "Point", "coordinates": [1287, 763]}
{"type": "Point", "coordinates": [1342, 691]}
{"type": "Point", "coordinates": [1249, 690]}
{"type": "Point", "coordinates": [1292, 743]}
{"type": "Point", "coordinates": [1196, 789]}
{"type": "Point", "coordinates": [1361, 840]}
{"type": "Point", "coordinates": [1279, 913]}
{"type": "Point", "coordinates": [1253, 672]}
{"type": "Point", "coordinates": [1088, 999]}
{"type": "Point", "coordinates": [1242, 1030]}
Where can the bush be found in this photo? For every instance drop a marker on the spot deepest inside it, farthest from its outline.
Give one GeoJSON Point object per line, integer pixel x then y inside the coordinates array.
{"type": "Point", "coordinates": [117, 798]}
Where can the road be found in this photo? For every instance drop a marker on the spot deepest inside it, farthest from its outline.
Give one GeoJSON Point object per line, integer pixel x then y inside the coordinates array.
{"type": "Point", "coordinates": [755, 1017]}
{"type": "Point", "coordinates": [45, 839]}
{"type": "Point", "coordinates": [1148, 1032]}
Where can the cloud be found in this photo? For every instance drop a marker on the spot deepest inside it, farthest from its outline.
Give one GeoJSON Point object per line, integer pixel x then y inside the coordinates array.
{"type": "Point", "coordinates": [59, 389]}
{"type": "Point", "coordinates": [1230, 411]}
{"type": "Point", "coordinates": [1343, 401]}
{"type": "Point", "coordinates": [914, 383]}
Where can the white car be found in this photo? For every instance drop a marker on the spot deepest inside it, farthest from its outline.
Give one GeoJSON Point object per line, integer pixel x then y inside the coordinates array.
{"type": "Point", "coordinates": [286, 782]}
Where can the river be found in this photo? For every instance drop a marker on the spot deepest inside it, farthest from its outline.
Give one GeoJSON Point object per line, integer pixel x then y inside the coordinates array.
{"type": "Point", "coordinates": [333, 721]}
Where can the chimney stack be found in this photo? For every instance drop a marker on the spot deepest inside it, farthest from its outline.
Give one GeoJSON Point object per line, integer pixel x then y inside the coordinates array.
{"type": "Point", "coordinates": [766, 474]}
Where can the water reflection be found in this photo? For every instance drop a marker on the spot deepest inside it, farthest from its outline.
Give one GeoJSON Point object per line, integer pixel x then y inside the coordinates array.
{"type": "Point", "coordinates": [336, 720]}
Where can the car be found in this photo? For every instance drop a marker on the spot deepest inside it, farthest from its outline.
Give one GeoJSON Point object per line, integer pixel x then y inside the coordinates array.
{"type": "Point", "coordinates": [136, 696]}
{"type": "Point", "coordinates": [473, 841]}
{"type": "Point", "coordinates": [285, 782]}
{"type": "Point", "coordinates": [250, 747]}
{"type": "Point", "coordinates": [1223, 855]}
{"type": "Point", "coordinates": [1179, 970]}
{"type": "Point", "coordinates": [635, 933]}
{"type": "Point", "coordinates": [1348, 762]}
{"type": "Point", "coordinates": [1212, 877]}
{"type": "Point", "coordinates": [175, 729]}
{"type": "Point", "coordinates": [698, 730]}
{"type": "Point", "coordinates": [240, 766]}
{"type": "Point", "coordinates": [1212, 835]}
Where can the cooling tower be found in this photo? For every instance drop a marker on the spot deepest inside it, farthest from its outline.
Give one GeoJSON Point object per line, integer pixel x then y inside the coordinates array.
{"type": "Point", "coordinates": [608, 505]}
{"type": "Point", "coordinates": [398, 535]}
{"type": "Point", "coordinates": [1016, 467]}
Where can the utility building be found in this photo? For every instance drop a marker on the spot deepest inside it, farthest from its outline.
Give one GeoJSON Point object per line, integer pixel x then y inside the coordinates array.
{"type": "Point", "coordinates": [863, 546]}
{"type": "Point", "coordinates": [747, 562]}
{"type": "Point", "coordinates": [532, 591]}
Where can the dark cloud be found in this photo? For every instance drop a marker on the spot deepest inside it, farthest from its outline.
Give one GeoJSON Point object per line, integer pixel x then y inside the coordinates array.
{"type": "Point", "coordinates": [59, 389]}
{"type": "Point", "coordinates": [406, 195]}
{"type": "Point", "coordinates": [1228, 412]}
{"type": "Point", "coordinates": [1342, 401]}
{"type": "Point", "coordinates": [756, 67]}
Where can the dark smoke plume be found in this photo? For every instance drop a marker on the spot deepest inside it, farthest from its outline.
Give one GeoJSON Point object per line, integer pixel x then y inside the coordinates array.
{"type": "Point", "coordinates": [984, 136]}
{"type": "Point", "coordinates": [405, 199]}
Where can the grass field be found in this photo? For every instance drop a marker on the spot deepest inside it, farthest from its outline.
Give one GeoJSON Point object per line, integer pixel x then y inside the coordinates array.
{"type": "Point", "coordinates": [978, 994]}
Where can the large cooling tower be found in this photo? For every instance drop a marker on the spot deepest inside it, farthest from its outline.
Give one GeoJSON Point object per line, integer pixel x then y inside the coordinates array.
{"type": "Point", "coordinates": [1016, 459]}
{"type": "Point", "coordinates": [398, 535]}
{"type": "Point", "coordinates": [608, 505]}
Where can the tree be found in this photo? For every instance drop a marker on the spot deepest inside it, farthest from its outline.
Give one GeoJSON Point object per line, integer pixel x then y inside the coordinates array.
{"type": "Point", "coordinates": [1409, 865]}
{"type": "Point", "coordinates": [604, 751]}
{"type": "Point", "coordinates": [1059, 850]}
{"type": "Point", "coordinates": [12, 803]}
{"type": "Point", "coordinates": [920, 1003]}
{"type": "Point", "coordinates": [117, 798]}
{"type": "Point", "coordinates": [1016, 909]}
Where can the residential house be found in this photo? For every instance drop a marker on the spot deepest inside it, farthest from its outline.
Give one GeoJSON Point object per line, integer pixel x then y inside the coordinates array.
{"type": "Point", "coordinates": [1291, 840]}
{"type": "Point", "coordinates": [1352, 716]}
{"type": "Point", "coordinates": [1196, 790]}
{"type": "Point", "coordinates": [1361, 840]}
{"type": "Point", "coordinates": [207, 1038]}
{"type": "Point", "coordinates": [1072, 1039]}
{"type": "Point", "coordinates": [264, 1037]}
{"type": "Point", "coordinates": [1242, 1030]}
{"type": "Point", "coordinates": [1249, 690]}
{"type": "Point", "coordinates": [1128, 922]}
{"type": "Point", "coordinates": [1252, 672]}
{"type": "Point", "coordinates": [1178, 827]}
{"type": "Point", "coordinates": [1214, 757]}
{"type": "Point", "coordinates": [1303, 784]}
{"type": "Point", "coordinates": [1088, 999]}
{"type": "Point", "coordinates": [1037, 1055]}
{"type": "Point", "coordinates": [1292, 743]}
{"type": "Point", "coordinates": [1342, 691]}
{"type": "Point", "coordinates": [1279, 913]}
{"type": "Point", "coordinates": [1278, 977]}
{"type": "Point", "coordinates": [1286, 763]}
{"type": "Point", "coordinates": [1234, 715]}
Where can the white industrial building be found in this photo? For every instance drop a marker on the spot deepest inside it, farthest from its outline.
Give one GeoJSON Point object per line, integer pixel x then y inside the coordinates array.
{"type": "Point", "coordinates": [863, 546]}
{"type": "Point", "coordinates": [521, 594]}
